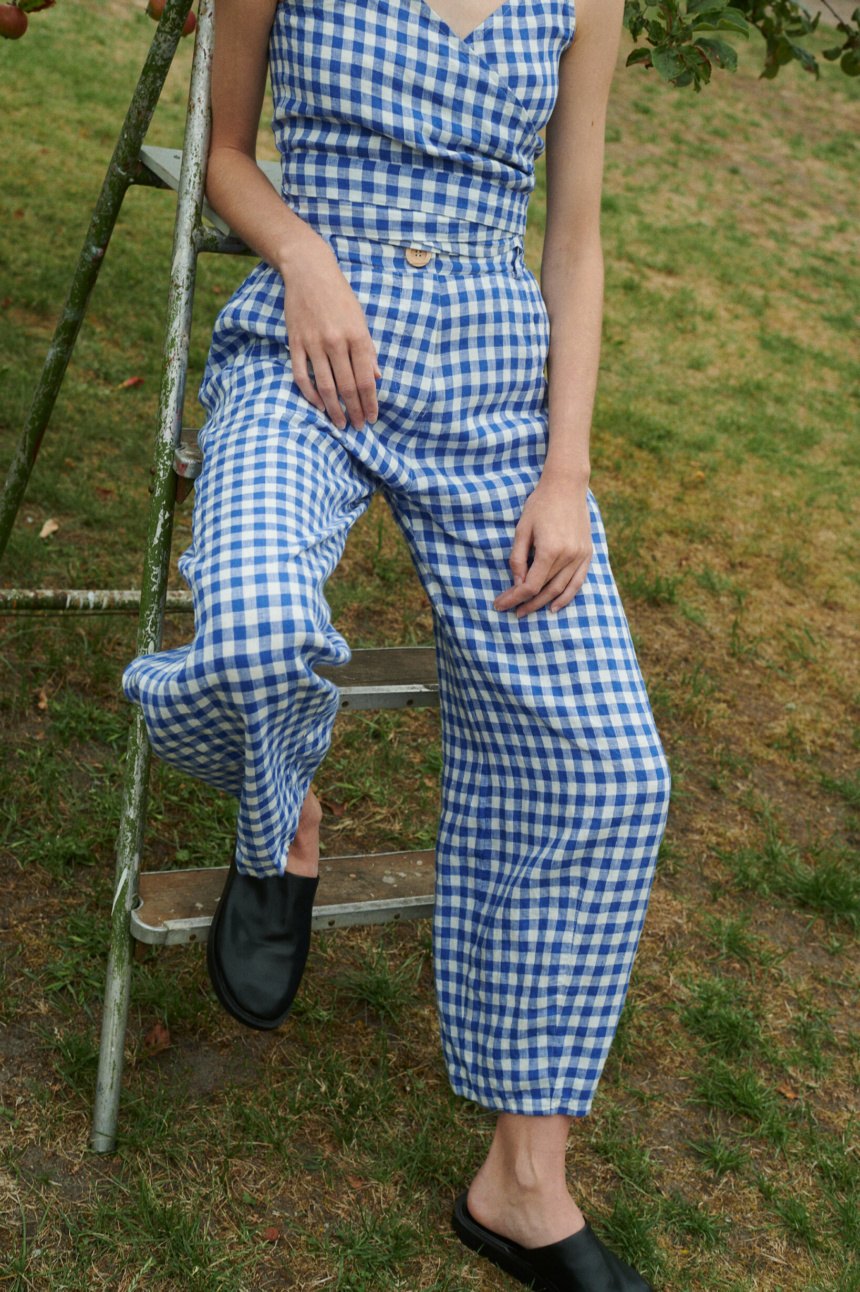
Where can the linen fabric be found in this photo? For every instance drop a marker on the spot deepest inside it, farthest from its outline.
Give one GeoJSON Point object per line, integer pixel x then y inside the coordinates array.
{"type": "Point", "coordinates": [555, 786]}
{"type": "Point", "coordinates": [393, 127]}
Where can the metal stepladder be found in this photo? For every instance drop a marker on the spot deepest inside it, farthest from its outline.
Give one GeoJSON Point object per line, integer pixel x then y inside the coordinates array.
{"type": "Point", "coordinates": [172, 907]}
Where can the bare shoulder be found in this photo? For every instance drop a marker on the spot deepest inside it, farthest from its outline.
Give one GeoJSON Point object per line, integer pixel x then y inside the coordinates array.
{"type": "Point", "coordinates": [587, 65]}
{"type": "Point", "coordinates": [598, 22]}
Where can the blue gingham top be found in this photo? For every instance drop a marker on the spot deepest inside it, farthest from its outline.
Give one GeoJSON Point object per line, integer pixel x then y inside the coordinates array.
{"type": "Point", "coordinates": [392, 127]}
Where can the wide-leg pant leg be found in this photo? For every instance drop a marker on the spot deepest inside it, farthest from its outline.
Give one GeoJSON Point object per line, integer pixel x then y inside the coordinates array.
{"type": "Point", "coordinates": [241, 707]}
{"type": "Point", "coordinates": [554, 799]}
{"type": "Point", "coordinates": [555, 786]}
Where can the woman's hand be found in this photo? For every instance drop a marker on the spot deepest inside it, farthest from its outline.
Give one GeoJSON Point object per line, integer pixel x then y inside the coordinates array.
{"type": "Point", "coordinates": [327, 326]}
{"type": "Point", "coordinates": [555, 524]}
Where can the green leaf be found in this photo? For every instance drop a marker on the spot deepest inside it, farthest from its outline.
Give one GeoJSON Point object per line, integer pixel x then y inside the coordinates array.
{"type": "Point", "coordinates": [706, 6]}
{"type": "Point", "coordinates": [851, 63]}
{"type": "Point", "coordinates": [633, 15]}
{"type": "Point", "coordinates": [668, 62]}
{"type": "Point", "coordinates": [832, 54]}
{"type": "Point", "coordinates": [639, 55]}
{"type": "Point", "coordinates": [733, 20]}
{"type": "Point", "coordinates": [803, 56]}
{"type": "Point", "coordinates": [720, 53]}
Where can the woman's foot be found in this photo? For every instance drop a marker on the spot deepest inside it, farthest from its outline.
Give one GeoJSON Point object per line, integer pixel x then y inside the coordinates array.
{"type": "Point", "coordinates": [519, 1214]}
{"type": "Point", "coordinates": [520, 1191]}
{"type": "Point", "coordinates": [579, 1263]}
{"type": "Point", "coordinates": [530, 1217]}
{"type": "Point", "coordinates": [260, 935]}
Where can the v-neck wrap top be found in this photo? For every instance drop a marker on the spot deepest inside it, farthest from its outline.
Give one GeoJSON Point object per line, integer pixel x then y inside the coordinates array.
{"type": "Point", "coordinates": [392, 127]}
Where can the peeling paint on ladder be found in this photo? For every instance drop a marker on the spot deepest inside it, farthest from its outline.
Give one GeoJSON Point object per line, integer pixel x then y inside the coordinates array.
{"type": "Point", "coordinates": [121, 887]}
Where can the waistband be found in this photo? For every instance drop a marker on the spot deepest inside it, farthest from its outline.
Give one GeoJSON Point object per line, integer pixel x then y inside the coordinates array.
{"type": "Point", "coordinates": [397, 258]}
{"type": "Point", "coordinates": [416, 225]}
{"type": "Point", "coordinates": [464, 249]}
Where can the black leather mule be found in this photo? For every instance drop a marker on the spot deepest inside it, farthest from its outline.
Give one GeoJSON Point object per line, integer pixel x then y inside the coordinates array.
{"type": "Point", "coordinates": [577, 1264]}
{"type": "Point", "coordinates": [258, 945]}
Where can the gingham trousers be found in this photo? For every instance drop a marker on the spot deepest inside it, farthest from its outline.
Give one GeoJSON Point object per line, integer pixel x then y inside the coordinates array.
{"type": "Point", "coordinates": [555, 787]}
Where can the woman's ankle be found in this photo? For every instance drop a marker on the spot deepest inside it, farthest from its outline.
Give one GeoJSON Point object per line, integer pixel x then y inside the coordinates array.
{"type": "Point", "coordinates": [303, 857]}
{"type": "Point", "coordinates": [533, 1217]}
{"type": "Point", "coordinates": [521, 1189]}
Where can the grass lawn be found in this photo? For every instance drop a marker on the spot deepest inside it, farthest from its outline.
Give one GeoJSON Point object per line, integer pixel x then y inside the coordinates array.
{"type": "Point", "coordinates": [723, 1151]}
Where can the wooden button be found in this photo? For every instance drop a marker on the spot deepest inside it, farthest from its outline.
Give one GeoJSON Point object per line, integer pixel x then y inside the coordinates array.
{"type": "Point", "coordinates": [417, 256]}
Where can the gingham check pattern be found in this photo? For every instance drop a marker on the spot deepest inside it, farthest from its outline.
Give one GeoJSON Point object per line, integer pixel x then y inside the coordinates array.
{"type": "Point", "coordinates": [424, 133]}
{"type": "Point", "coordinates": [555, 787]}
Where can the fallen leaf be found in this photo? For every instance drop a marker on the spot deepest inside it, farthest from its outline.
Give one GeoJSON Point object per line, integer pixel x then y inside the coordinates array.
{"type": "Point", "coordinates": [156, 1039]}
{"type": "Point", "coordinates": [42, 702]}
{"type": "Point", "coordinates": [129, 382]}
{"type": "Point", "coordinates": [787, 1092]}
{"type": "Point", "coordinates": [19, 214]}
{"type": "Point", "coordinates": [355, 1182]}
{"type": "Point", "coordinates": [105, 493]}
{"type": "Point", "coordinates": [336, 809]}
{"type": "Point", "coordinates": [49, 527]}
{"type": "Point", "coordinates": [272, 1234]}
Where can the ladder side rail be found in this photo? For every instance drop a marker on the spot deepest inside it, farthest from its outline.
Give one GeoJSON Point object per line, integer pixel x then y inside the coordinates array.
{"type": "Point", "coordinates": [154, 583]}
{"type": "Point", "coordinates": [123, 168]}
{"type": "Point", "coordinates": [180, 303]}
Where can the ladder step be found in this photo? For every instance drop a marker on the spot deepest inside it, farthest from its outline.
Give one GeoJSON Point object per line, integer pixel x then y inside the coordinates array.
{"type": "Point", "coordinates": [187, 464]}
{"type": "Point", "coordinates": [390, 677]}
{"type": "Point", "coordinates": [188, 456]}
{"type": "Point", "coordinates": [166, 163]}
{"type": "Point", "coordinates": [176, 906]}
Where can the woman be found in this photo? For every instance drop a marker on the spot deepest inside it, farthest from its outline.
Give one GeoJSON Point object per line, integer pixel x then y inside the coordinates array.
{"type": "Point", "coordinates": [393, 340]}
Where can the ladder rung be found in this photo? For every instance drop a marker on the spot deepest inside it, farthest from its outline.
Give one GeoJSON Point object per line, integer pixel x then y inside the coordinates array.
{"type": "Point", "coordinates": [390, 677]}
{"type": "Point", "coordinates": [166, 163]}
{"type": "Point", "coordinates": [177, 906]}
{"type": "Point", "coordinates": [83, 600]}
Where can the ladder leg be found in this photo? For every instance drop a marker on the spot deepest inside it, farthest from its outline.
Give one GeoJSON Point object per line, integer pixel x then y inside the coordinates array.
{"type": "Point", "coordinates": [118, 983]}
{"type": "Point", "coordinates": [156, 566]}
{"type": "Point", "coordinates": [119, 175]}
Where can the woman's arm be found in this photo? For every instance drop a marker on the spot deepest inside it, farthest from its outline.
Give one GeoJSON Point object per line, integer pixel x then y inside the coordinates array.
{"type": "Point", "coordinates": [325, 322]}
{"type": "Point", "coordinates": [555, 521]}
{"type": "Point", "coordinates": [235, 186]}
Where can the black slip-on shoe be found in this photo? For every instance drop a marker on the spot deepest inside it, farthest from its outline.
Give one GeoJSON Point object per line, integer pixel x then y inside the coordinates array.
{"type": "Point", "coordinates": [577, 1264]}
{"type": "Point", "coordinates": [258, 945]}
